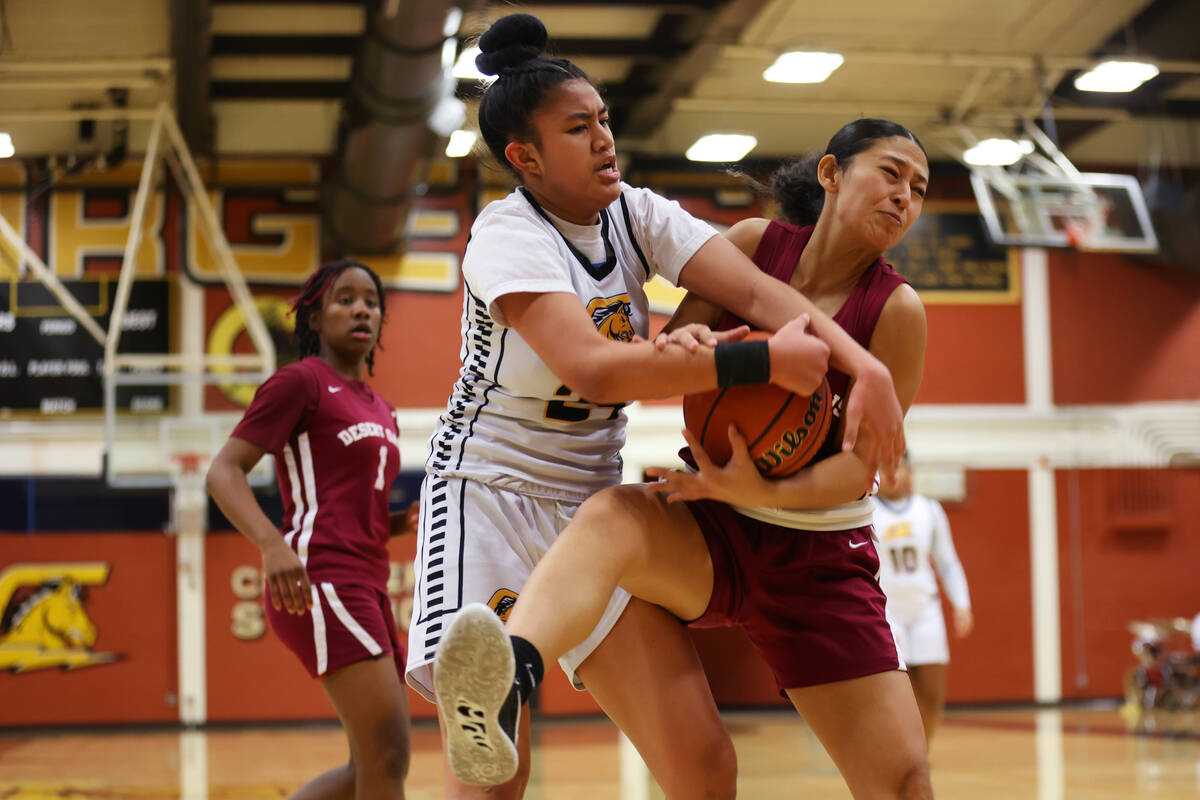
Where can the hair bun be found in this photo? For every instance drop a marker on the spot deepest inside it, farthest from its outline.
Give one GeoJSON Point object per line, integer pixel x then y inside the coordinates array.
{"type": "Point", "coordinates": [510, 42]}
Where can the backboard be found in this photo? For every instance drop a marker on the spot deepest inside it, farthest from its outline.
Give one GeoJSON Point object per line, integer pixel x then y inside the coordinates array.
{"type": "Point", "coordinates": [1089, 211]}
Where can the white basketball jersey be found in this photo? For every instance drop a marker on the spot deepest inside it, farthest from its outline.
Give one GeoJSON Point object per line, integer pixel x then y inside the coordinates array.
{"type": "Point", "coordinates": [914, 536]}
{"type": "Point", "coordinates": [510, 421]}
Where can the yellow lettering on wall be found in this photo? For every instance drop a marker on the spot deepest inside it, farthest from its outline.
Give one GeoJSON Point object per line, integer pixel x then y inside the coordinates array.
{"type": "Point", "coordinates": [290, 261]}
{"type": "Point", "coordinates": [416, 271]}
{"type": "Point", "coordinates": [73, 236]}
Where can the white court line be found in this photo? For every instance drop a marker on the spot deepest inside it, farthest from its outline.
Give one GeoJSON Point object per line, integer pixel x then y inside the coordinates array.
{"type": "Point", "coordinates": [635, 777]}
{"type": "Point", "coordinates": [193, 765]}
{"type": "Point", "coordinates": [1051, 776]}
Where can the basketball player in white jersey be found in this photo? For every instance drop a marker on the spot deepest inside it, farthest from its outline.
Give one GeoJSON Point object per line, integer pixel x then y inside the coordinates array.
{"type": "Point", "coordinates": [554, 309]}
{"type": "Point", "coordinates": [914, 537]}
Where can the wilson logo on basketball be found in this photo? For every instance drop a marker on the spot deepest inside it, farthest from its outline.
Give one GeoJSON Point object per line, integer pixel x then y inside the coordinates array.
{"type": "Point", "coordinates": [612, 316]}
{"type": "Point", "coordinates": [783, 431]}
{"type": "Point", "coordinates": [44, 622]}
{"type": "Point", "coordinates": [791, 440]}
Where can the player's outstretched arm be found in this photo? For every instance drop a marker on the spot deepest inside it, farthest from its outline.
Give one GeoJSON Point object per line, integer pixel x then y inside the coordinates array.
{"type": "Point", "coordinates": [722, 270]}
{"type": "Point", "coordinates": [899, 341]}
{"type": "Point", "coordinates": [560, 331]}
{"type": "Point", "coordinates": [285, 576]}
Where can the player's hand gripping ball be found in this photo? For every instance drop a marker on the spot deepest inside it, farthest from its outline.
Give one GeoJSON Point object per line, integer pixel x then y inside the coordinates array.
{"type": "Point", "coordinates": [783, 430]}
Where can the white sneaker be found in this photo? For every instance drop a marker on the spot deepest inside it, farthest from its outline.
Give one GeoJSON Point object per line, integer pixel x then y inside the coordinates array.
{"type": "Point", "coordinates": [473, 677]}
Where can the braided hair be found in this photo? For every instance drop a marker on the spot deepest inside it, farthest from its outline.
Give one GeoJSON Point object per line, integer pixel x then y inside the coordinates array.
{"type": "Point", "coordinates": [308, 342]}
{"type": "Point", "coordinates": [512, 50]}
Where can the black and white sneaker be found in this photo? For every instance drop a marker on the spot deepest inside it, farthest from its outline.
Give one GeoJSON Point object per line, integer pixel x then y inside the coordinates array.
{"type": "Point", "coordinates": [473, 679]}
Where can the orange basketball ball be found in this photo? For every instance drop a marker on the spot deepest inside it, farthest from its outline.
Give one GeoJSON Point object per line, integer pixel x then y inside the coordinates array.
{"type": "Point", "coordinates": [783, 430]}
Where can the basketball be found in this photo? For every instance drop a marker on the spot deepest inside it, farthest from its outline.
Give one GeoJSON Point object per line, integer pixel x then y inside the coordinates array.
{"type": "Point", "coordinates": [783, 430]}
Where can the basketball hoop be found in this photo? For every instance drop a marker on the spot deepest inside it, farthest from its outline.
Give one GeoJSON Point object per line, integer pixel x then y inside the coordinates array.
{"type": "Point", "coordinates": [189, 498]}
{"type": "Point", "coordinates": [1077, 232]}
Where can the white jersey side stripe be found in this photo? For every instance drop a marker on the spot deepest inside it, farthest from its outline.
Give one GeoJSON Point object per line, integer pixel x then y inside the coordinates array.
{"type": "Point", "coordinates": [289, 458]}
{"type": "Point", "coordinates": [350, 622]}
{"type": "Point", "coordinates": [318, 623]}
{"type": "Point", "coordinates": [310, 489]}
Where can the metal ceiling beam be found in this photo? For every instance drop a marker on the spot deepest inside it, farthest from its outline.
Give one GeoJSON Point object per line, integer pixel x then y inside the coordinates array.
{"type": "Point", "coordinates": [712, 34]}
{"type": "Point", "coordinates": [1001, 61]}
{"type": "Point", "coordinates": [191, 40]}
{"type": "Point", "coordinates": [742, 105]}
{"type": "Point", "coordinates": [1166, 28]}
{"type": "Point", "coordinates": [93, 67]}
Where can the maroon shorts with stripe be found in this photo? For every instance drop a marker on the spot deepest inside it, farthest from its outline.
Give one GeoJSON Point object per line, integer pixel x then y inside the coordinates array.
{"type": "Point", "coordinates": [808, 600]}
{"type": "Point", "coordinates": [348, 622]}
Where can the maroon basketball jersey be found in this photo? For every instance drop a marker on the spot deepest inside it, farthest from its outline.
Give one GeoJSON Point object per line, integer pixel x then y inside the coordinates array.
{"type": "Point", "coordinates": [778, 254]}
{"type": "Point", "coordinates": [337, 452]}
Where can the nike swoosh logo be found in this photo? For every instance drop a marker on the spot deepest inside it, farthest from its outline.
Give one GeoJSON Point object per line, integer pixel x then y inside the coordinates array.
{"type": "Point", "coordinates": [856, 545]}
{"type": "Point", "coordinates": [335, 389]}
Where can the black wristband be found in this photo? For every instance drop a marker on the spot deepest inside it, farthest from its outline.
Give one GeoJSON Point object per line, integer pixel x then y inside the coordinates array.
{"type": "Point", "coordinates": [739, 363]}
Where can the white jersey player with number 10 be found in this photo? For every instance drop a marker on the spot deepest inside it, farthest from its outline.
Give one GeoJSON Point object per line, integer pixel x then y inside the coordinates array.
{"type": "Point", "coordinates": [914, 538]}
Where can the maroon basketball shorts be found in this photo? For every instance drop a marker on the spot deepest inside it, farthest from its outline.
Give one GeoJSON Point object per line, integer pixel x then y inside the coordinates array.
{"type": "Point", "coordinates": [808, 600]}
{"type": "Point", "coordinates": [347, 623]}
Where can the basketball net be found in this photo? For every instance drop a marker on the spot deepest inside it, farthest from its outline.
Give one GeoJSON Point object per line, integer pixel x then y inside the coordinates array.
{"type": "Point", "coordinates": [189, 497]}
{"type": "Point", "coordinates": [1077, 233]}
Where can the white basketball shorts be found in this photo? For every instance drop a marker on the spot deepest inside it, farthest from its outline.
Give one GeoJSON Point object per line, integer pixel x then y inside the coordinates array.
{"type": "Point", "coordinates": [479, 544]}
{"type": "Point", "coordinates": [921, 637]}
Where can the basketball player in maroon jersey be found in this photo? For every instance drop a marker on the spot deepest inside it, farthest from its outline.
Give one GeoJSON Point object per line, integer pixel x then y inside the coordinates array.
{"type": "Point", "coordinates": [336, 450]}
{"type": "Point", "coordinates": [792, 561]}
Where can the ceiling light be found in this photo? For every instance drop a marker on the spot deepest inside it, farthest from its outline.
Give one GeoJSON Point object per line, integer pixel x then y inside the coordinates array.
{"type": "Point", "coordinates": [460, 143]}
{"type": "Point", "coordinates": [802, 67]}
{"type": "Point", "coordinates": [997, 152]}
{"type": "Point", "coordinates": [1116, 76]}
{"type": "Point", "coordinates": [453, 21]}
{"type": "Point", "coordinates": [721, 147]}
{"type": "Point", "coordinates": [465, 66]}
{"type": "Point", "coordinates": [6, 146]}
{"type": "Point", "coordinates": [447, 116]}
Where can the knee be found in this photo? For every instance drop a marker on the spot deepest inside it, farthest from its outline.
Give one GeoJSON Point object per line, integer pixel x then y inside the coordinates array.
{"type": "Point", "coordinates": [709, 771]}
{"type": "Point", "coordinates": [721, 768]}
{"type": "Point", "coordinates": [514, 789]}
{"type": "Point", "coordinates": [390, 758]}
{"type": "Point", "coordinates": [612, 517]}
{"type": "Point", "coordinates": [915, 783]}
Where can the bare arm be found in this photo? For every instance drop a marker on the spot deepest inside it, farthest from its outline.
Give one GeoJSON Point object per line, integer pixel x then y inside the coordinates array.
{"type": "Point", "coordinates": [404, 523]}
{"type": "Point", "coordinates": [226, 482]}
{"type": "Point", "coordinates": [557, 327]}
{"type": "Point", "coordinates": [726, 273]}
{"type": "Point", "coordinates": [744, 289]}
{"type": "Point", "coordinates": [899, 342]}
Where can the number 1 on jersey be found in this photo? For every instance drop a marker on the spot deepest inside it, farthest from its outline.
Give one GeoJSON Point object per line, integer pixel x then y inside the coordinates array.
{"type": "Point", "coordinates": [382, 467]}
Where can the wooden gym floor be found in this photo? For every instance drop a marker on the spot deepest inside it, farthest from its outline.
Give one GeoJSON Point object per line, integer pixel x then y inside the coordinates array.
{"type": "Point", "coordinates": [1072, 754]}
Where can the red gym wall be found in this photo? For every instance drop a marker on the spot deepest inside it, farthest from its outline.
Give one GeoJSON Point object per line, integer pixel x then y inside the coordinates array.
{"type": "Point", "coordinates": [1123, 330]}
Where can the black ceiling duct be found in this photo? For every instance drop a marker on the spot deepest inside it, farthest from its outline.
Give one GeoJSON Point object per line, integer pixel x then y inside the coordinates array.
{"type": "Point", "coordinates": [385, 142]}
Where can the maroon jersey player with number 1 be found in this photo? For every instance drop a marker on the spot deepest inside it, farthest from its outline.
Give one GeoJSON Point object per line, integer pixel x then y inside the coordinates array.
{"type": "Point", "coordinates": [336, 453]}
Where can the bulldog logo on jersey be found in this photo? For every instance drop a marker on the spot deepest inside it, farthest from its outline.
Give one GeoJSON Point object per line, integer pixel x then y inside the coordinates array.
{"type": "Point", "coordinates": [613, 317]}
{"type": "Point", "coordinates": [44, 622]}
{"type": "Point", "coordinates": [502, 603]}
